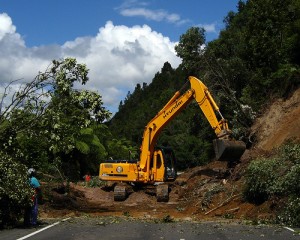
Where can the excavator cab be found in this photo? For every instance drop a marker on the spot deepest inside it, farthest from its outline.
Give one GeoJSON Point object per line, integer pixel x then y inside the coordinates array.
{"type": "Point", "coordinates": [163, 164]}
{"type": "Point", "coordinates": [170, 163]}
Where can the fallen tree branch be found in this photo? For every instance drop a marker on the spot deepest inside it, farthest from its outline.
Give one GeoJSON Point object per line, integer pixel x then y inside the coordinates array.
{"type": "Point", "coordinates": [223, 203]}
{"type": "Point", "coordinates": [232, 210]}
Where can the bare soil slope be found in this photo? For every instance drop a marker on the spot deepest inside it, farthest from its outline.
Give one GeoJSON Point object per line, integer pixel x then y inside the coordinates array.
{"type": "Point", "coordinates": [279, 123]}
{"type": "Point", "coordinates": [206, 192]}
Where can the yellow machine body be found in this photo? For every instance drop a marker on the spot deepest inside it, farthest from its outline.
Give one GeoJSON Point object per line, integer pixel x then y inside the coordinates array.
{"type": "Point", "coordinates": [162, 169]}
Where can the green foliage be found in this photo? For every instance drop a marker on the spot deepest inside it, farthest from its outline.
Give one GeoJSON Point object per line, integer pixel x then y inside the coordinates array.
{"type": "Point", "coordinates": [290, 214]}
{"type": "Point", "coordinates": [121, 149]}
{"type": "Point", "coordinates": [262, 36]}
{"type": "Point", "coordinates": [15, 191]}
{"type": "Point", "coordinates": [261, 177]}
{"type": "Point", "coordinates": [70, 110]}
{"type": "Point", "coordinates": [209, 194]}
{"type": "Point", "coordinates": [69, 117]}
{"type": "Point", "coordinates": [51, 123]}
{"type": "Point", "coordinates": [190, 47]}
{"type": "Point", "coordinates": [88, 142]}
{"type": "Point", "coordinates": [90, 150]}
{"type": "Point", "coordinates": [94, 182]}
{"type": "Point", "coordinates": [278, 177]}
{"type": "Point", "coordinates": [291, 181]}
{"type": "Point", "coordinates": [290, 152]}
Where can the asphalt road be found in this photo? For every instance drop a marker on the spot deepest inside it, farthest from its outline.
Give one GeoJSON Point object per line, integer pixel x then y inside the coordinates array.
{"type": "Point", "coordinates": [112, 228]}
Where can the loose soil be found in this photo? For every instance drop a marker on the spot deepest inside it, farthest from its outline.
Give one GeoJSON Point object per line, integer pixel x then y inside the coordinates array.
{"type": "Point", "coordinates": [206, 192]}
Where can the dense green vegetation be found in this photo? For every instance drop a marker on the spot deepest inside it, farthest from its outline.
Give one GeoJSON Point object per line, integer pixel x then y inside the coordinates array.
{"type": "Point", "coordinates": [278, 179]}
{"type": "Point", "coordinates": [15, 192]}
{"type": "Point", "coordinates": [53, 127]}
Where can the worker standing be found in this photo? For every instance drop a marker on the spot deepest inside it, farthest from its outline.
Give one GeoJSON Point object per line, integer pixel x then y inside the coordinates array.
{"type": "Point", "coordinates": [31, 213]}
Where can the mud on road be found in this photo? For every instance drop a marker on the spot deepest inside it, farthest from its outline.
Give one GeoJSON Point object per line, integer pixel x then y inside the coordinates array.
{"type": "Point", "coordinates": [202, 193]}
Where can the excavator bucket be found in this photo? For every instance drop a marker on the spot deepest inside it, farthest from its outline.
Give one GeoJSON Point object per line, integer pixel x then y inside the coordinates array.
{"type": "Point", "coordinates": [228, 150]}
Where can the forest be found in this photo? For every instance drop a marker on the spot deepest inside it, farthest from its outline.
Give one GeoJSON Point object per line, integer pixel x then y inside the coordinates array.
{"type": "Point", "coordinates": [57, 129]}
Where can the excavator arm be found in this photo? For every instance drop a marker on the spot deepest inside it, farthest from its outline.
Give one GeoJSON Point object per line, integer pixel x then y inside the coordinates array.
{"type": "Point", "coordinates": [209, 107]}
{"type": "Point", "coordinates": [225, 147]}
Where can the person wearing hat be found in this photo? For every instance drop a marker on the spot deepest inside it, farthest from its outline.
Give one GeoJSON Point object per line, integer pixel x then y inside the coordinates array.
{"type": "Point", "coordinates": [31, 213]}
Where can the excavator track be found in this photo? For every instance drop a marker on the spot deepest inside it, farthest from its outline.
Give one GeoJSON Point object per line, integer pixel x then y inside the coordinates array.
{"type": "Point", "coordinates": [162, 193]}
{"type": "Point", "coordinates": [120, 193]}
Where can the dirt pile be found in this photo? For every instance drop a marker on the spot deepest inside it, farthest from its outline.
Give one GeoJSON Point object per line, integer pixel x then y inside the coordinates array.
{"type": "Point", "coordinates": [200, 193]}
{"type": "Point", "coordinates": [206, 192]}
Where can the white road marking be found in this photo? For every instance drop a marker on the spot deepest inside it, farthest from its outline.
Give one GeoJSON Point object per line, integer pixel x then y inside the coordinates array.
{"type": "Point", "coordinates": [292, 230]}
{"type": "Point", "coordinates": [66, 219]}
{"type": "Point", "coordinates": [43, 229]}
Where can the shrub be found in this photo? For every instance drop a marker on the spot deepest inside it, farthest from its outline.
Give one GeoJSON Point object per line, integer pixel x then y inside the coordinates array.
{"type": "Point", "coordinates": [291, 152]}
{"type": "Point", "coordinates": [290, 214]}
{"type": "Point", "coordinates": [291, 181]}
{"type": "Point", "coordinates": [95, 182]}
{"type": "Point", "coordinates": [261, 178]}
{"type": "Point", "coordinates": [15, 191]}
{"type": "Point", "coordinates": [279, 177]}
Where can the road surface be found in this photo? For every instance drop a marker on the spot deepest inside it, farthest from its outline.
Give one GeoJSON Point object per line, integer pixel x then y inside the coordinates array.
{"type": "Point", "coordinates": [112, 228]}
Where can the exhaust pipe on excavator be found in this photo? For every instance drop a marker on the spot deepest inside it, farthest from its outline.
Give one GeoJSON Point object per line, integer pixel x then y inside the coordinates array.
{"type": "Point", "coordinates": [228, 150]}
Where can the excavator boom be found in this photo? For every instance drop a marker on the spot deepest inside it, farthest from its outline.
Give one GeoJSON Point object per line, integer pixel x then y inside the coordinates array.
{"type": "Point", "coordinates": [226, 148]}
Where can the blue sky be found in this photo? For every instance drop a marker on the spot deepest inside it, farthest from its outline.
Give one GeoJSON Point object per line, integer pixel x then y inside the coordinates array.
{"type": "Point", "coordinates": [123, 42]}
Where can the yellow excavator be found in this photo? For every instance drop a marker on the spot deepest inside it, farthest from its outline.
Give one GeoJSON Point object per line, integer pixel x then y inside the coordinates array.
{"type": "Point", "coordinates": [157, 166]}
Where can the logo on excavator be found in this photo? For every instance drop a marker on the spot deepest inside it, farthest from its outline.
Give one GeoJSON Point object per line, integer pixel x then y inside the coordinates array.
{"type": "Point", "coordinates": [166, 113]}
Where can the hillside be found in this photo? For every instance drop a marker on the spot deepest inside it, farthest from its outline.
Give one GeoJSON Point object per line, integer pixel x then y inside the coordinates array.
{"type": "Point", "coordinates": [207, 192]}
{"type": "Point", "coordinates": [280, 122]}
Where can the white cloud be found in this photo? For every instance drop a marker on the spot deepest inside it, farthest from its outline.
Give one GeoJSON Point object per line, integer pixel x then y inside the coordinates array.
{"type": "Point", "coordinates": [118, 57]}
{"type": "Point", "coordinates": [209, 28]}
{"type": "Point", "coordinates": [133, 8]}
{"type": "Point", "coordinates": [156, 15]}
{"type": "Point", "coordinates": [6, 26]}
{"type": "Point", "coordinates": [132, 3]}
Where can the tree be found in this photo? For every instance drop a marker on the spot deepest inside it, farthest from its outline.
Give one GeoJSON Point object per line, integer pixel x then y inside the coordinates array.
{"type": "Point", "coordinates": [90, 149]}
{"type": "Point", "coordinates": [49, 123]}
{"type": "Point", "coordinates": [70, 112]}
{"type": "Point", "coordinates": [15, 191]}
{"type": "Point", "coordinates": [260, 45]}
{"type": "Point", "coordinates": [190, 48]}
{"type": "Point", "coordinates": [254, 58]}
{"type": "Point", "coordinates": [49, 114]}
